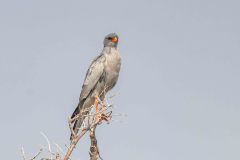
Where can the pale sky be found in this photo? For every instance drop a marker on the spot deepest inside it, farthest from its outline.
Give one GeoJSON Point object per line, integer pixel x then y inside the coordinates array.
{"type": "Point", "coordinates": [179, 81]}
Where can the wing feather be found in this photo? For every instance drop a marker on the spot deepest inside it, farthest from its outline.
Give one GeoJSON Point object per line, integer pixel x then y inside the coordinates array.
{"type": "Point", "coordinates": [93, 75]}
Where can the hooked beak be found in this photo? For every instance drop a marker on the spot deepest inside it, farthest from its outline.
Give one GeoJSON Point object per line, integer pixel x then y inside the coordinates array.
{"type": "Point", "coordinates": [114, 39]}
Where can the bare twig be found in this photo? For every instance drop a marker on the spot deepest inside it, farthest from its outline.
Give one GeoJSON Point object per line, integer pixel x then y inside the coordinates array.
{"type": "Point", "coordinates": [73, 144]}
{"type": "Point", "coordinates": [40, 151]}
{"type": "Point", "coordinates": [90, 123]}
{"type": "Point", "coordinates": [23, 154]}
{"type": "Point", "coordinates": [34, 157]}
{"type": "Point", "coordinates": [49, 145]}
{"type": "Point", "coordinates": [59, 148]}
{"type": "Point", "coordinates": [70, 127]}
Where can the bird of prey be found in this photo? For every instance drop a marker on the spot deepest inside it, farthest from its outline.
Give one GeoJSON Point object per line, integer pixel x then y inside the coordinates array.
{"type": "Point", "coordinates": [102, 75]}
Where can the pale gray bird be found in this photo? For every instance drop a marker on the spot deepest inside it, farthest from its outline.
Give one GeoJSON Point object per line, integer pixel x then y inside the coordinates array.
{"type": "Point", "coordinates": [102, 75]}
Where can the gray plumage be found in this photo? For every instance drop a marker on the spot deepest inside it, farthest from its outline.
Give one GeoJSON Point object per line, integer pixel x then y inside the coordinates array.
{"type": "Point", "coordinates": [101, 77]}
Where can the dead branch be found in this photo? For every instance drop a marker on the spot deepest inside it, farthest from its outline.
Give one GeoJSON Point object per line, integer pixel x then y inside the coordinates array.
{"type": "Point", "coordinates": [23, 154]}
{"type": "Point", "coordinates": [34, 157]}
{"type": "Point", "coordinates": [94, 150]}
{"type": "Point", "coordinates": [90, 123]}
{"type": "Point", "coordinates": [92, 120]}
{"type": "Point", "coordinates": [73, 144]}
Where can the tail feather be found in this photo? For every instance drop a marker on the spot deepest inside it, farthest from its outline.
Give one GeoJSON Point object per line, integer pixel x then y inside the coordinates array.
{"type": "Point", "coordinates": [77, 123]}
{"type": "Point", "coordinates": [76, 111]}
{"type": "Point", "coordinates": [83, 105]}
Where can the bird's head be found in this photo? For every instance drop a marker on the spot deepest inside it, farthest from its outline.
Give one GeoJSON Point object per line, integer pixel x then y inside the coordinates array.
{"type": "Point", "coordinates": [111, 40]}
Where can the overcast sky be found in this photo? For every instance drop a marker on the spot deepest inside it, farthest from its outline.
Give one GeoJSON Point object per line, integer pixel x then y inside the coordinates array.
{"type": "Point", "coordinates": [179, 81]}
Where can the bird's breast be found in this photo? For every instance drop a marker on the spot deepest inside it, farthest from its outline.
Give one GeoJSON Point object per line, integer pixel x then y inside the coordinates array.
{"type": "Point", "coordinates": [112, 68]}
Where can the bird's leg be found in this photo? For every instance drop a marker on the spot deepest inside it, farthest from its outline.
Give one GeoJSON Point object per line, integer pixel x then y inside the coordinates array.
{"type": "Point", "coordinates": [96, 103]}
{"type": "Point", "coordinates": [98, 116]}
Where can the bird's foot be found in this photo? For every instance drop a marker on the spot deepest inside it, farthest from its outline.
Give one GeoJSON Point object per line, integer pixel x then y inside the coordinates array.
{"type": "Point", "coordinates": [100, 116]}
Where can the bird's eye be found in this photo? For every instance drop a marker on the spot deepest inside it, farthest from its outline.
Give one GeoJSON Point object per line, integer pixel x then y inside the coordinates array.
{"type": "Point", "coordinates": [109, 38]}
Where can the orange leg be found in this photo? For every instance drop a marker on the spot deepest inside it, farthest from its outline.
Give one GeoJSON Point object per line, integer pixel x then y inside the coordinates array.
{"type": "Point", "coordinates": [98, 116]}
{"type": "Point", "coordinates": [96, 103]}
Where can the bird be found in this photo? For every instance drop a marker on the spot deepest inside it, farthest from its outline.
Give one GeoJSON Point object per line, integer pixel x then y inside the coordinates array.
{"type": "Point", "coordinates": [102, 75]}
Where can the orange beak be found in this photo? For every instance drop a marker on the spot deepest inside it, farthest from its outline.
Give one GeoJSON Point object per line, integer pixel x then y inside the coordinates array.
{"type": "Point", "coordinates": [114, 39]}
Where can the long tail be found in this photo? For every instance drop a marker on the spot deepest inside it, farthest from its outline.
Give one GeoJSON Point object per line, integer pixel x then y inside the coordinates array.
{"type": "Point", "coordinates": [83, 108]}
{"type": "Point", "coordinates": [77, 123]}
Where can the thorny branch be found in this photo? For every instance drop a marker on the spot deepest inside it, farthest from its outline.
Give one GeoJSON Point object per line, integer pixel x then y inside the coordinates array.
{"type": "Point", "coordinates": [92, 121]}
{"type": "Point", "coordinates": [90, 124]}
